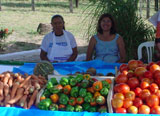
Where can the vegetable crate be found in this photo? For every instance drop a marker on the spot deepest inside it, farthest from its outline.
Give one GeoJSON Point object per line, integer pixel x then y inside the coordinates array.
{"type": "Point", "coordinates": [98, 78]}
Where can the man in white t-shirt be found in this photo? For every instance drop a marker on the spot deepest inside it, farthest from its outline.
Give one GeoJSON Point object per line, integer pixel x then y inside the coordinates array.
{"type": "Point", "coordinates": [59, 45]}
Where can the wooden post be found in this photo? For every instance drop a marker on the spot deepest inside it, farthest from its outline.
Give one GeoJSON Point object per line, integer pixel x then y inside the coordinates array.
{"type": "Point", "coordinates": [140, 8]}
{"type": "Point", "coordinates": [148, 9]}
{"type": "Point", "coordinates": [156, 5]}
{"type": "Point", "coordinates": [33, 5]}
{"type": "Point", "coordinates": [0, 6]}
{"type": "Point", "coordinates": [71, 6]}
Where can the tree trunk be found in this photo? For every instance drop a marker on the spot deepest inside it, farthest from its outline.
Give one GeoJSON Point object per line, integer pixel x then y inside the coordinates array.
{"type": "Point", "coordinates": [148, 9]}
{"type": "Point", "coordinates": [140, 8]}
{"type": "Point", "coordinates": [33, 5]}
{"type": "Point", "coordinates": [71, 6]}
{"type": "Point", "coordinates": [77, 3]}
{"type": "Point", "coordinates": [0, 6]}
{"type": "Point", "coordinates": [156, 5]}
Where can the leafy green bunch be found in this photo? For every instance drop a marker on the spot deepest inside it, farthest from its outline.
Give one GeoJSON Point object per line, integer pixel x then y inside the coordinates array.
{"type": "Point", "coordinates": [132, 28]}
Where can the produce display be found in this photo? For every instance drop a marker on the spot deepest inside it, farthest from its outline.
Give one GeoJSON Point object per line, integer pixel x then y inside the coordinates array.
{"type": "Point", "coordinates": [75, 93]}
{"type": "Point", "coordinates": [136, 88]}
{"type": "Point", "coordinates": [19, 90]}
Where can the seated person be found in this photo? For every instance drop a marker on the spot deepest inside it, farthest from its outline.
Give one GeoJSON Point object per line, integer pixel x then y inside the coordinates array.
{"type": "Point", "coordinates": [58, 45]}
{"type": "Point", "coordinates": [108, 45]}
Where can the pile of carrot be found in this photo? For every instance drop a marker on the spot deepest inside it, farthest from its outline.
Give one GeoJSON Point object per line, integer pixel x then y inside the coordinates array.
{"type": "Point", "coordinates": [17, 89]}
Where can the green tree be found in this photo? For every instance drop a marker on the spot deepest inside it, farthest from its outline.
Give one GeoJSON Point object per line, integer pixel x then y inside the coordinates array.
{"type": "Point", "coordinates": [132, 28]}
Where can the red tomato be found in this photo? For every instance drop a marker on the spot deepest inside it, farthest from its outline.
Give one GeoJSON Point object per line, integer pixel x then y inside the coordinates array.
{"type": "Point", "coordinates": [153, 88]}
{"type": "Point", "coordinates": [132, 64]}
{"type": "Point", "coordinates": [119, 95]}
{"type": "Point", "coordinates": [137, 102]}
{"type": "Point", "coordinates": [121, 88]}
{"type": "Point", "coordinates": [149, 65]}
{"type": "Point", "coordinates": [157, 80]}
{"type": "Point", "coordinates": [140, 63]}
{"type": "Point", "coordinates": [155, 110]}
{"type": "Point", "coordinates": [154, 67]}
{"type": "Point", "coordinates": [152, 100]}
{"type": "Point", "coordinates": [137, 91]}
{"type": "Point", "coordinates": [133, 82]}
{"type": "Point", "coordinates": [127, 103]}
{"type": "Point", "coordinates": [144, 94]}
{"type": "Point", "coordinates": [125, 72]}
{"type": "Point", "coordinates": [158, 94]}
{"type": "Point", "coordinates": [156, 74]}
{"type": "Point", "coordinates": [121, 78]}
{"type": "Point", "coordinates": [117, 103]}
{"type": "Point", "coordinates": [144, 85]}
{"type": "Point", "coordinates": [121, 110]}
{"type": "Point", "coordinates": [123, 67]}
{"type": "Point", "coordinates": [148, 74]}
{"type": "Point", "coordinates": [139, 71]}
{"type": "Point", "coordinates": [130, 74]}
{"type": "Point", "coordinates": [146, 80]}
{"type": "Point", "coordinates": [129, 95]}
{"type": "Point", "coordinates": [144, 109]}
{"type": "Point", "coordinates": [132, 109]}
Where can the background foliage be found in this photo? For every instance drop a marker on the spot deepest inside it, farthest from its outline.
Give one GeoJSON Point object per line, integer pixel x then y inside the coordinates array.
{"type": "Point", "coordinates": [132, 28]}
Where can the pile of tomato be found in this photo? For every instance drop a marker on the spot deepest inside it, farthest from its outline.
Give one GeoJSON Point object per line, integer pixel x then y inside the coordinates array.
{"type": "Point", "coordinates": [137, 88]}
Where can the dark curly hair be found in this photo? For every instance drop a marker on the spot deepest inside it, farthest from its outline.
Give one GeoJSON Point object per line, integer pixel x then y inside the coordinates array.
{"type": "Point", "coordinates": [113, 28]}
{"type": "Point", "coordinates": [58, 16]}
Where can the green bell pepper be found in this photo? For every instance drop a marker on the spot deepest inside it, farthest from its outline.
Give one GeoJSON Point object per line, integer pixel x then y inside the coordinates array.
{"type": "Point", "coordinates": [78, 108]}
{"type": "Point", "coordinates": [105, 84]}
{"type": "Point", "coordinates": [44, 104]}
{"type": "Point", "coordinates": [102, 109]}
{"type": "Point", "coordinates": [82, 92]}
{"type": "Point", "coordinates": [86, 106]}
{"type": "Point", "coordinates": [74, 91]}
{"type": "Point", "coordinates": [69, 108]}
{"type": "Point", "coordinates": [54, 90]}
{"type": "Point", "coordinates": [79, 78]}
{"type": "Point", "coordinates": [53, 107]}
{"type": "Point", "coordinates": [64, 81]}
{"type": "Point", "coordinates": [54, 81]}
{"type": "Point", "coordinates": [93, 109]}
{"type": "Point", "coordinates": [73, 82]}
{"type": "Point", "coordinates": [63, 99]}
{"type": "Point", "coordinates": [46, 93]}
{"type": "Point", "coordinates": [49, 85]}
{"type": "Point", "coordinates": [84, 84]}
{"type": "Point", "coordinates": [104, 91]}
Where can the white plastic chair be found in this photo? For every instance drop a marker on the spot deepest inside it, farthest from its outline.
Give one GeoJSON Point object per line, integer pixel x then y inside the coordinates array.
{"type": "Point", "coordinates": [149, 47]}
{"type": "Point", "coordinates": [81, 57]}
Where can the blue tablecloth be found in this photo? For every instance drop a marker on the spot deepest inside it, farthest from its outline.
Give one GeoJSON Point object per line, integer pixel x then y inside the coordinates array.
{"type": "Point", "coordinates": [63, 69]}
{"type": "Point", "coordinates": [72, 67]}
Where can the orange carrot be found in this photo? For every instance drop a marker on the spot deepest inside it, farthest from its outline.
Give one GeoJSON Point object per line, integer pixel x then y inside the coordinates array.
{"type": "Point", "coordinates": [19, 94]}
{"type": "Point", "coordinates": [1, 88]}
{"type": "Point", "coordinates": [25, 81]}
{"type": "Point", "coordinates": [14, 89]}
{"type": "Point", "coordinates": [5, 80]}
{"type": "Point", "coordinates": [25, 105]}
{"type": "Point", "coordinates": [10, 82]}
{"type": "Point", "coordinates": [7, 98]}
{"type": "Point", "coordinates": [6, 89]}
{"type": "Point", "coordinates": [22, 100]}
{"type": "Point", "coordinates": [32, 99]}
{"type": "Point", "coordinates": [1, 98]}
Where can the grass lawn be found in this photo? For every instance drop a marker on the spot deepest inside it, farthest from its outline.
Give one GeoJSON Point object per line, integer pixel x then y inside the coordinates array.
{"type": "Point", "coordinates": [17, 15]}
